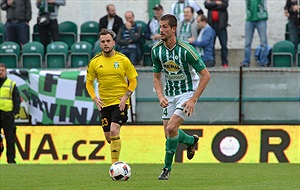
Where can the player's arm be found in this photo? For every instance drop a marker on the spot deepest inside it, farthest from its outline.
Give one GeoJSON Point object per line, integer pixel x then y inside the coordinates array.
{"type": "Point", "coordinates": [130, 89]}
{"type": "Point", "coordinates": [90, 88]}
{"type": "Point", "coordinates": [158, 86]}
{"type": "Point", "coordinates": [205, 77]}
{"type": "Point", "coordinates": [190, 104]}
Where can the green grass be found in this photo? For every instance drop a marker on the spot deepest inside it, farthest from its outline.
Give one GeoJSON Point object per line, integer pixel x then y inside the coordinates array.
{"type": "Point", "coordinates": [144, 176]}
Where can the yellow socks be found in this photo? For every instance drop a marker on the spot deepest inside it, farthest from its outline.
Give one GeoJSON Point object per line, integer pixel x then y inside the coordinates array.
{"type": "Point", "coordinates": [115, 148]}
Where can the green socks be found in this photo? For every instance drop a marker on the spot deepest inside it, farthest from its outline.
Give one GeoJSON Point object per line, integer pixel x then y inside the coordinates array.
{"type": "Point", "coordinates": [185, 138]}
{"type": "Point", "coordinates": [171, 146]}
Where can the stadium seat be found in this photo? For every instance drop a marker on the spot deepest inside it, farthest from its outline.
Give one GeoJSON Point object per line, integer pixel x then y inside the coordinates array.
{"type": "Point", "coordinates": [32, 55]}
{"type": "Point", "coordinates": [80, 54]}
{"type": "Point", "coordinates": [283, 54]}
{"type": "Point", "coordinates": [146, 55]}
{"type": "Point", "coordinates": [96, 48]}
{"type": "Point", "coordinates": [36, 34]}
{"type": "Point", "coordinates": [287, 34]}
{"type": "Point", "coordinates": [68, 32]}
{"type": "Point", "coordinates": [89, 32]}
{"type": "Point", "coordinates": [9, 54]}
{"type": "Point", "coordinates": [57, 55]}
{"type": "Point", "coordinates": [298, 56]}
{"type": "Point", "coordinates": [2, 33]}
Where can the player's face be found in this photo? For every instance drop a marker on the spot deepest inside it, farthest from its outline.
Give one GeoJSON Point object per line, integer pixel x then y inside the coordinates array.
{"type": "Point", "coordinates": [2, 72]}
{"type": "Point", "coordinates": [107, 43]}
{"type": "Point", "coordinates": [166, 31]}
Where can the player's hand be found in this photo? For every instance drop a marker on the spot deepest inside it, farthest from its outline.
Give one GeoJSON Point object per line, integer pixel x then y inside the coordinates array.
{"type": "Point", "coordinates": [123, 103]}
{"type": "Point", "coordinates": [189, 107]}
{"type": "Point", "coordinates": [163, 102]}
{"type": "Point", "coordinates": [99, 103]}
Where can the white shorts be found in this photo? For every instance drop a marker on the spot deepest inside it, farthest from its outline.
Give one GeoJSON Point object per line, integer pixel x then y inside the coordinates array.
{"type": "Point", "coordinates": [175, 105]}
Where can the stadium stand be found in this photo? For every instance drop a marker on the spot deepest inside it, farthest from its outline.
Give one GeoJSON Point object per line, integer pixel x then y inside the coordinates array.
{"type": "Point", "coordinates": [80, 54]}
{"type": "Point", "coordinates": [32, 55]}
{"type": "Point", "coordinates": [89, 32]}
{"type": "Point", "coordinates": [35, 35]}
{"type": "Point", "coordinates": [9, 54]}
{"type": "Point", "coordinates": [56, 55]}
{"type": "Point", "coordinates": [298, 56]}
{"type": "Point", "coordinates": [283, 54]}
{"type": "Point", "coordinates": [2, 32]}
{"type": "Point", "coordinates": [68, 32]}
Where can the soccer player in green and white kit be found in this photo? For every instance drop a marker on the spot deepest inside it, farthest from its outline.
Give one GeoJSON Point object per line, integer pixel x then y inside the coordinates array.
{"type": "Point", "coordinates": [181, 63]}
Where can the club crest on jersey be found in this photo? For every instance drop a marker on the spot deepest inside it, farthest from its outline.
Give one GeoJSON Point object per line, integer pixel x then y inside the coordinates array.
{"type": "Point", "coordinates": [116, 65]}
{"type": "Point", "coordinates": [171, 67]}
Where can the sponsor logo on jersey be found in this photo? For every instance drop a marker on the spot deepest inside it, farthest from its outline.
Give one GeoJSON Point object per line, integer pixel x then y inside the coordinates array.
{"type": "Point", "coordinates": [177, 77]}
{"type": "Point", "coordinates": [171, 67]}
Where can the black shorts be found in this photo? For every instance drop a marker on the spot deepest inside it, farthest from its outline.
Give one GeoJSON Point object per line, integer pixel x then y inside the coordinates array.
{"type": "Point", "coordinates": [113, 114]}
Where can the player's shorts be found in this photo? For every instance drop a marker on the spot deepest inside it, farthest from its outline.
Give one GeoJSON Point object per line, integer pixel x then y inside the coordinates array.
{"type": "Point", "coordinates": [113, 114]}
{"type": "Point", "coordinates": [175, 105]}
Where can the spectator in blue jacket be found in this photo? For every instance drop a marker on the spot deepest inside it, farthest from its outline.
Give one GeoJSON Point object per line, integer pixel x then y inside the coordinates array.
{"type": "Point", "coordinates": [129, 39]}
{"type": "Point", "coordinates": [205, 41]}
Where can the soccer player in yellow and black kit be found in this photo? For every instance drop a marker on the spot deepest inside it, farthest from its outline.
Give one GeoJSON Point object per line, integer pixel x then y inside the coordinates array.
{"type": "Point", "coordinates": [116, 78]}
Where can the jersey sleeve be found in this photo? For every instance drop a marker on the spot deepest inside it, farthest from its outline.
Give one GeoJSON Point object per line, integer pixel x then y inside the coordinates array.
{"type": "Point", "coordinates": [195, 59]}
{"type": "Point", "coordinates": [130, 69]}
{"type": "Point", "coordinates": [157, 67]}
{"type": "Point", "coordinates": [90, 73]}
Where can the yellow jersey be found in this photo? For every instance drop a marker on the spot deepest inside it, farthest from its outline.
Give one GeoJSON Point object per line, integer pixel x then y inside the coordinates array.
{"type": "Point", "coordinates": [112, 74]}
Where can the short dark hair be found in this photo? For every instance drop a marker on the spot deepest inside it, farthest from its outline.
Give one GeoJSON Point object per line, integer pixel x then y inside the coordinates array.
{"type": "Point", "coordinates": [170, 18]}
{"type": "Point", "coordinates": [203, 18]}
{"type": "Point", "coordinates": [105, 31]}
{"type": "Point", "coordinates": [3, 65]}
{"type": "Point", "coordinates": [192, 9]}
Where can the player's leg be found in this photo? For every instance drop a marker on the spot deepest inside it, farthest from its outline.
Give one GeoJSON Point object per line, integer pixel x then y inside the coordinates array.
{"type": "Point", "coordinates": [189, 140]}
{"type": "Point", "coordinates": [106, 122]}
{"type": "Point", "coordinates": [171, 145]}
{"type": "Point", "coordinates": [118, 118]}
{"type": "Point", "coordinates": [115, 147]}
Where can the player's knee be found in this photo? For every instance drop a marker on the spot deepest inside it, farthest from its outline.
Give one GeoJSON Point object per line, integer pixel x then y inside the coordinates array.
{"type": "Point", "coordinates": [172, 130]}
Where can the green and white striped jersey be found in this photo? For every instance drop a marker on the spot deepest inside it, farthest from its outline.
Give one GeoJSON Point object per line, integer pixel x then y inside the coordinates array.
{"type": "Point", "coordinates": [180, 64]}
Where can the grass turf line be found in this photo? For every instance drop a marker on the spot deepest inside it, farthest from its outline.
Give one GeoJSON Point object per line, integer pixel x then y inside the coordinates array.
{"type": "Point", "coordinates": [144, 176]}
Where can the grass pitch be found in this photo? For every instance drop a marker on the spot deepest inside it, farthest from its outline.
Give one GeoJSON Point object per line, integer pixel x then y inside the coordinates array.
{"type": "Point", "coordinates": [144, 176]}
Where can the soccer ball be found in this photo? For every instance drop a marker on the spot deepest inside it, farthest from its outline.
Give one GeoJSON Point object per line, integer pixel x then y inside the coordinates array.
{"type": "Point", "coordinates": [120, 171]}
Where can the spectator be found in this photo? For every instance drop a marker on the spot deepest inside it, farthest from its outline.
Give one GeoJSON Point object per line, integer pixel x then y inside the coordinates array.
{"type": "Point", "coordinates": [129, 39]}
{"type": "Point", "coordinates": [152, 32]}
{"type": "Point", "coordinates": [18, 14]}
{"type": "Point", "coordinates": [47, 20]}
{"type": "Point", "coordinates": [291, 10]}
{"type": "Point", "coordinates": [111, 21]}
{"type": "Point", "coordinates": [205, 41]}
{"type": "Point", "coordinates": [218, 20]}
{"type": "Point", "coordinates": [10, 106]}
{"type": "Point", "coordinates": [177, 8]}
{"type": "Point", "coordinates": [257, 16]}
{"type": "Point", "coordinates": [188, 27]}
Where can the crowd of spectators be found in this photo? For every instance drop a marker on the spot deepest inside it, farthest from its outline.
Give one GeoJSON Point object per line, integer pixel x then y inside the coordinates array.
{"type": "Point", "coordinates": [193, 26]}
